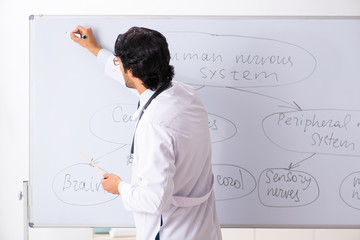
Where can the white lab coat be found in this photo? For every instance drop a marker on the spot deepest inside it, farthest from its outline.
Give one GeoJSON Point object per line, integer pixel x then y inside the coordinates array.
{"type": "Point", "coordinates": [172, 172]}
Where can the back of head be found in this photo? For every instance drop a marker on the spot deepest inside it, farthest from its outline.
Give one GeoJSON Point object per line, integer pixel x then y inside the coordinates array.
{"type": "Point", "coordinates": [146, 53]}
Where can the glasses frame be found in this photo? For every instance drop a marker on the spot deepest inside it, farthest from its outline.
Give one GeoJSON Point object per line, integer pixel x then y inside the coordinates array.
{"type": "Point", "coordinates": [116, 61]}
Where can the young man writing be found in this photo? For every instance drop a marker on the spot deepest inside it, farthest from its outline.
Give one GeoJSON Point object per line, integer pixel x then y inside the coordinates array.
{"type": "Point", "coordinates": [171, 191]}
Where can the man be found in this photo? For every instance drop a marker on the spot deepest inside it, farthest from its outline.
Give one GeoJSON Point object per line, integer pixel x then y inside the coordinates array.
{"type": "Point", "coordinates": [171, 191]}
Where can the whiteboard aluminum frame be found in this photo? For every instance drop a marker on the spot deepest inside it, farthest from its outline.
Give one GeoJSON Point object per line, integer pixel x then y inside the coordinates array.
{"type": "Point", "coordinates": [32, 18]}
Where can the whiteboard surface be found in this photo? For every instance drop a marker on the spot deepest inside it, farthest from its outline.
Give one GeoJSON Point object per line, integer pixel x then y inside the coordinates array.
{"type": "Point", "coordinates": [284, 116]}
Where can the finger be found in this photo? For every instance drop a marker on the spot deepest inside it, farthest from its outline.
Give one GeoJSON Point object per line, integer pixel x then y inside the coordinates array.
{"type": "Point", "coordinates": [79, 29]}
{"type": "Point", "coordinates": [104, 186]}
{"type": "Point", "coordinates": [74, 38]}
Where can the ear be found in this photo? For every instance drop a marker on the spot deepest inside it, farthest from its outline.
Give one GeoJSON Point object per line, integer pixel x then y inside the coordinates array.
{"type": "Point", "coordinates": [129, 71]}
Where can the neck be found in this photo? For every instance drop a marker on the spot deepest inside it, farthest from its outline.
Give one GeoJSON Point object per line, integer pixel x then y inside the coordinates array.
{"type": "Point", "coordinates": [139, 86]}
{"type": "Point", "coordinates": [141, 89]}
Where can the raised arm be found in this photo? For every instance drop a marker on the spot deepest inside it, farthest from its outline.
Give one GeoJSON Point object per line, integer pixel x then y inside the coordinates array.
{"type": "Point", "coordinates": [89, 42]}
{"type": "Point", "coordinates": [105, 57]}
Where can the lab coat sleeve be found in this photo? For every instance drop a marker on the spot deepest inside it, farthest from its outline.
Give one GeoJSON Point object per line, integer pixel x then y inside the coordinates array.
{"type": "Point", "coordinates": [105, 59]}
{"type": "Point", "coordinates": [153, 187]}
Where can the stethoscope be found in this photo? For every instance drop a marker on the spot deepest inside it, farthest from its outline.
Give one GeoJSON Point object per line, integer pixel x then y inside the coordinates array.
{"type": "Point", "coordinates": [156, 93]}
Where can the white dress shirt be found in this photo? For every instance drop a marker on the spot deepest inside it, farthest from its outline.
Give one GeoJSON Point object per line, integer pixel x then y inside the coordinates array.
{"type": "Point", "coordinates": [171, 172]}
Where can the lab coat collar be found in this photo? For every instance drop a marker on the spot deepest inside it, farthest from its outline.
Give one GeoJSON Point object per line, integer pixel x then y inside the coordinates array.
{"type": "Point", "coordinates": [144, 98]}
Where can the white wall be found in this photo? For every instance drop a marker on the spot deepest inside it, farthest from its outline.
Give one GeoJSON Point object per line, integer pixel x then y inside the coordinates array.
{"type": "Point", "coordinates": [14, 88]}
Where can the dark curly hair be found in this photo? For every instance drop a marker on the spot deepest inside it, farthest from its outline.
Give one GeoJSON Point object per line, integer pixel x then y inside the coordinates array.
{"type": "Point", "coordinates": [146, 53]}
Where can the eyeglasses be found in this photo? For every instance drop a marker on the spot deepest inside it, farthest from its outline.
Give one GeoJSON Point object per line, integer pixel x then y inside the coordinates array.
{"type": "Point", "coordinates": [116, 61]}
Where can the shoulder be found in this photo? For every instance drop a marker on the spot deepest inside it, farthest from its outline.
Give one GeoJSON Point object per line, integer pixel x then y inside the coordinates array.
{"type": "Point", "coordinates": [178, 98]}
{"type": "Point", "coordinates": [177, 103]}
{"type": "Point", "coordinates": [179, 93]}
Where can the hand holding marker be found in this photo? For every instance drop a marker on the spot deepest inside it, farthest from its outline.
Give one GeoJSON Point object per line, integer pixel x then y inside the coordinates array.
{"type": "Point", "coordinates": [85, 37]}
{"type": "Point", "coordinates": [78, 35]}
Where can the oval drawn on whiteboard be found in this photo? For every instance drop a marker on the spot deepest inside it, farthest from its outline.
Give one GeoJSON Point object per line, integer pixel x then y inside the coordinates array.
{"type": "Point", "coordinates": [238, 61]}
{"type": "Point", "coordinates": [350, 190]}
{"type": "Point", "coordinates": [324, 131]}
{"type": "Point", "coordinates": [220, 128]}
{"type": "Point", "coordinates": [232, 182]}
{"type": "Point", "coordinates": [80, 185]}
{"type": "Point", "coordinates": [118, 121]}
{"type": "Point", "coordinates": [280, 187]}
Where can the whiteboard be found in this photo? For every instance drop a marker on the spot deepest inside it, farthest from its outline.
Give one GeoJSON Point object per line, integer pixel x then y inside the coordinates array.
{"type": "Point", "coordinates": [282, 95]}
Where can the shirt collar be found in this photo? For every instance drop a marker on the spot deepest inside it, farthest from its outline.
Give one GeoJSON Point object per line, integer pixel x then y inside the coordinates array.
{"type": "Point", "coordinates": [144, 98]}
